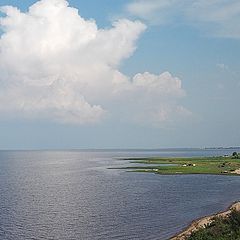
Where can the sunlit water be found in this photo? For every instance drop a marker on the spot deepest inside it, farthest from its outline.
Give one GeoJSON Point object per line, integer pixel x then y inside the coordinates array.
{"type": "Point", "coordinates": [73, 195]}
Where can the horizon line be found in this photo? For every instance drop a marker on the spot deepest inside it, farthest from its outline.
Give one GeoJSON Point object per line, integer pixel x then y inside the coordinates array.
{"type": "Point", "coordinates": [121, 149]}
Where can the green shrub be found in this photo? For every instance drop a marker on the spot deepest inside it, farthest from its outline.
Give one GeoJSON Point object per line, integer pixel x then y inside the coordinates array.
{"type": "Point", "coordinates": [235, 155]}
{"type": "Point", "coordinates": [221, 228]}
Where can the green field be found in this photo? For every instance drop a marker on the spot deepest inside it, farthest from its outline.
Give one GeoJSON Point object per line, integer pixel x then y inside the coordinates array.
{"type": "Point", "coordinates": [195, 165]}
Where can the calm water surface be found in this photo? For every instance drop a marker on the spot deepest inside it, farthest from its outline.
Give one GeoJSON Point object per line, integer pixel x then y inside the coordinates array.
{"type": "Point", "coordinates": [66, 195]}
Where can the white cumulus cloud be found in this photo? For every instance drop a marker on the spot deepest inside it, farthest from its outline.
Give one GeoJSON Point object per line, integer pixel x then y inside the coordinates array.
{"type": "Point", "coordinates": [56, 65]}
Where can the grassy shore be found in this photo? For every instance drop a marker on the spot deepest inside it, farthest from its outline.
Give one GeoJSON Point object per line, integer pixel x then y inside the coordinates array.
{"type": "Point", "coordinates": [222, 165]}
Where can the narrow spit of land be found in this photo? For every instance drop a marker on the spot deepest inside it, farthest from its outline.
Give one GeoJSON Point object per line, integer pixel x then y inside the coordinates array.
{"type": "Point", "coordinates": [221, 165]}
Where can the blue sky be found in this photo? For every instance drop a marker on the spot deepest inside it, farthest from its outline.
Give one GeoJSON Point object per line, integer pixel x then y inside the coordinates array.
{"type": "Point", "coordinates": [196, 43]}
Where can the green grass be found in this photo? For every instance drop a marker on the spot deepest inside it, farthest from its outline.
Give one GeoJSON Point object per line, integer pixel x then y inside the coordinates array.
{"type": "Point", "coordinates": [203, 165]}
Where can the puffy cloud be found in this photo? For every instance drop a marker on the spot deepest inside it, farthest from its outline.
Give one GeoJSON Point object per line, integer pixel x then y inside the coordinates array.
{"type": "Point", "coordinates": [56, 65]}
{"type": "Point", "coordinates": [164, 84]}
{"type": "Point", "coordinates": [219, 17]}
{"type": "Point", "coordinates": [152, 99]}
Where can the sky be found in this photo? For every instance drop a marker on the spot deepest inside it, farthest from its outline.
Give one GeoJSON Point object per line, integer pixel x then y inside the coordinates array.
{"type": "Point", "coordinates": [119, 74]}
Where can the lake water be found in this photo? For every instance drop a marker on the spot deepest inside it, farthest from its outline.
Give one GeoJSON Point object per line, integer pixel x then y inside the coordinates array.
{"type": "Point", "coordinates": [67, 195]}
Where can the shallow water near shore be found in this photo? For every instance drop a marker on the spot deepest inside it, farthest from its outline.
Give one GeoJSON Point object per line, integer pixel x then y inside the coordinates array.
{"type": "Point", "coordinates": [73, 195]}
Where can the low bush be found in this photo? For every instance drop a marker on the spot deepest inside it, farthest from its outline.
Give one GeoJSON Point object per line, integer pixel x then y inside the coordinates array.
{"type": "Point", "coordinates": [221, 228]}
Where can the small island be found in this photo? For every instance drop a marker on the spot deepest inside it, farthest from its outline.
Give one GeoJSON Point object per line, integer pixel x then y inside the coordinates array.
{"type": "Point", "coordinates": [218, 165]}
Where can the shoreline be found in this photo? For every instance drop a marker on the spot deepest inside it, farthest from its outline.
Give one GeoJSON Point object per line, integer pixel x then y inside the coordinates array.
{"type": "Point", "coordinates": [201, 222]}
{"type": "Point", "coordinates": [215, 165]}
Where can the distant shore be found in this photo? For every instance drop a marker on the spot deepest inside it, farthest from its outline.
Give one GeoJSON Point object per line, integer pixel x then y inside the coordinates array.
{"type": "Point", "coordinates": [200, 223]}
{"type": "Point", "coordinates": [215, 165]}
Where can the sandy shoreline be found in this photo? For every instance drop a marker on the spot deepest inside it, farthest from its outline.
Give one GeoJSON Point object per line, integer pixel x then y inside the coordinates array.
{"type": "Point", "coordinates": [237, 171]}
{"type": "Point", "coordinates": [196, 224]}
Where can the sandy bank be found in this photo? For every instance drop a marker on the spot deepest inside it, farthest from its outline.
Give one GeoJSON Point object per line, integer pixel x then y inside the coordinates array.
{"type": "Point", "coordinates": [237, 171]}
{"type": "Point", "coordinates": [195, 225]}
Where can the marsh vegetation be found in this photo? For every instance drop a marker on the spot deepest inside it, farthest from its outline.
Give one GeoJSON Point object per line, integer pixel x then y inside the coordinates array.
{"type": "Point", "coordinates": [226, 165]}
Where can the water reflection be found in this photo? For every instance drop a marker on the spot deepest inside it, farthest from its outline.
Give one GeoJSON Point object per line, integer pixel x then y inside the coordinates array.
{"type": "Point", "coordinates": [73, 195]}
